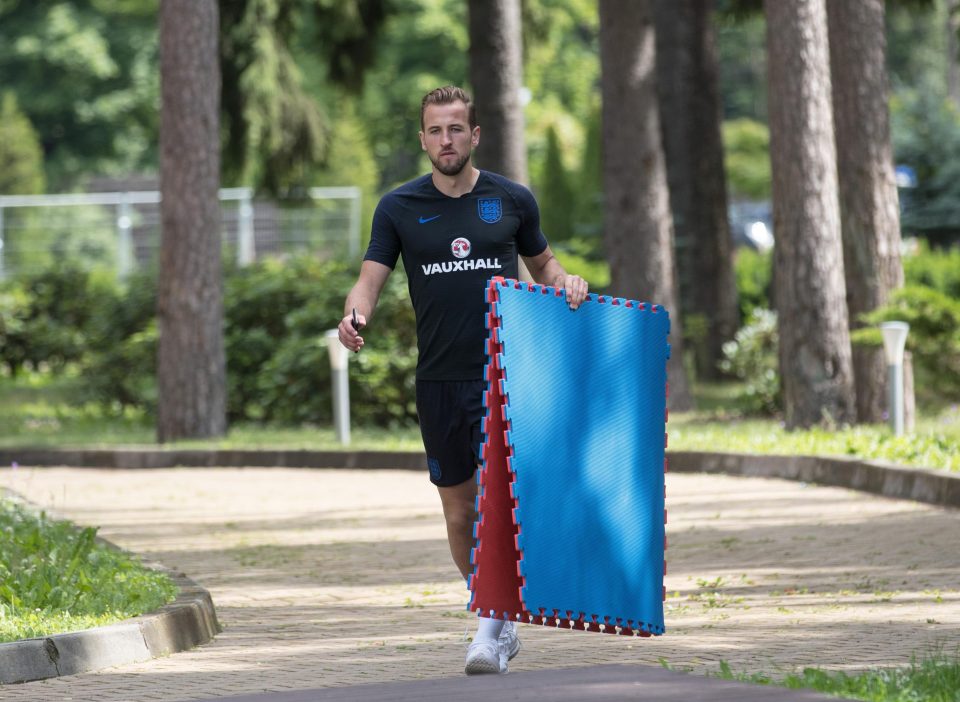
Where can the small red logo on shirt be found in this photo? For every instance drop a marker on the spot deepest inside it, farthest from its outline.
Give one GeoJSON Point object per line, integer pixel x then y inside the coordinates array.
{"type": "Point", "coordinates": [460, 247]}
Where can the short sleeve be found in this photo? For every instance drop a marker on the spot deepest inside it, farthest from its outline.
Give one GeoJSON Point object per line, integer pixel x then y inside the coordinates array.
{"type": "Point", "coordinates": [384, 242]}
{"type": "Point", "coordinates": [530, 240]}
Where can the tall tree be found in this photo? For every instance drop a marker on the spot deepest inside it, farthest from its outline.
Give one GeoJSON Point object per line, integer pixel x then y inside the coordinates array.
{"type": "Point", "coordinates": [191, 362]}
{"type": "Point", "coordinates": [275, 131]}
{"type": "Point", "coordinates": [688, 88]}
{"type": "Point", "coordinates": [496, 74]}
{"type": "Point", "coordinates": [815, 357]}
{"type": "Point", "coordinates": [869, 215]}
{"type": "Point", "coordinates": [556, 193]}
{"type": "Point", "coordinates": [952, 58]}
{"type": "Point", "coordinates": [638, 227]}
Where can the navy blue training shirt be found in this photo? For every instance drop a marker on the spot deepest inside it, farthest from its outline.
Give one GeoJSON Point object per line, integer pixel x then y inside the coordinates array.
{"type": "Point", "coordinates": [451, 247]}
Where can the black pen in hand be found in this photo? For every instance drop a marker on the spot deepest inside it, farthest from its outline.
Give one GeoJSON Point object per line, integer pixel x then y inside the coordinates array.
{"type": "Point", "coordinates": [356, 324]}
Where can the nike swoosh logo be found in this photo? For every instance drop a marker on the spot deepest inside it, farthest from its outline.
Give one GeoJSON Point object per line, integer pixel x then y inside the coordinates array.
{"type": "Point", "coordinates": [424, 220]}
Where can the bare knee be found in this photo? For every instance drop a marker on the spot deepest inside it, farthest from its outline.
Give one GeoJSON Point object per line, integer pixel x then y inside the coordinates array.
{"type": "Point", "coordinates": [461, 521]}
{"type": "Point", "coordinates": [459, 505]}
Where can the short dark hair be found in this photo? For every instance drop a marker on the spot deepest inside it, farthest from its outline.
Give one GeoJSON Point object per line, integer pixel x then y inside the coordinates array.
{"type": "Point", "coordinates": [446, 95]}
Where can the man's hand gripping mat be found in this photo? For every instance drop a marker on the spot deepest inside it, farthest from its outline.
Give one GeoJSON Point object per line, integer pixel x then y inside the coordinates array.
{"type": "Point", "coordinates": [570, 528]}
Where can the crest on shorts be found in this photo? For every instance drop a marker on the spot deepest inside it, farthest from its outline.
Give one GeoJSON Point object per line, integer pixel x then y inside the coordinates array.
{"type": "Point", "coordinates": [490, 209]}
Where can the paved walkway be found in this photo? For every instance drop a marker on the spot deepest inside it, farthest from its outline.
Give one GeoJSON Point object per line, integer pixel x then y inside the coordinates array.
{"type": "Point", "coordinates": [333, 578]}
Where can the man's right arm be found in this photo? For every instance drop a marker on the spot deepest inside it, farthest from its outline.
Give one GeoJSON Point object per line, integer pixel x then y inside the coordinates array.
{"type": "Point", "coordinates": [363, 297]}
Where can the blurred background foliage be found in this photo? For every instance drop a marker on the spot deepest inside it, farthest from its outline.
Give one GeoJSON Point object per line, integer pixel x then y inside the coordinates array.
{"type": "Point", "coordinates": [326, 92]}
{"type": "Point", "coordinates": [323, 92]}
{"type": "Point", "coordinates": [69, 321]}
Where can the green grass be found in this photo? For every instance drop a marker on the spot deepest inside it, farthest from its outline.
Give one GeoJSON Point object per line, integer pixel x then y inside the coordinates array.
{"type": "Point", "coordinates": [55, 577]}
{"type": "Point", "coordinates": [37, 411]}
{"type": "Point", "coordinates": [933, 679]}
{"type": "Point", "coordinates": [934, 444]}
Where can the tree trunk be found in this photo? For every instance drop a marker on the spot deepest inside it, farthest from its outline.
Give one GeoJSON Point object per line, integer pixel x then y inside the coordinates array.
{"type": "Point", "coordinates": [869, 214]}
{"type": "Point", "coordinates": [191, 374]}
{"type": "Point", "coordinates": [496, 73]}
{"type": "Point", "coordinates": [638, 228]}
{"type": "Point", "coordinates": [953, 70]}
{"type": "Point", "coordinates": [688, 87]}
{"type": "Point", "coordinates": [815, 357]}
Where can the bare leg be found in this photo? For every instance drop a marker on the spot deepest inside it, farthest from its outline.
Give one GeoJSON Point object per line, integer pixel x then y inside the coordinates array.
{"type": "Point", "coordinates": [459, 503]}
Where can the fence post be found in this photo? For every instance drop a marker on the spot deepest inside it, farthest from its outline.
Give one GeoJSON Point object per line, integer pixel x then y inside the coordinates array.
{"type": "Point", "coordinates": [125, 260]}
{"type": "Point", "coordinates": [246, 244]}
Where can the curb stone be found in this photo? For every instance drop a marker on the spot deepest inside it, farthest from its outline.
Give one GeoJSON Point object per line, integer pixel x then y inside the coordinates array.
{"type": "Point", "coordinates": [216, 458]}
{"type": "Point", "coordinates": [189, 621]}
{"type": "Point", "coordinates": [937, 487]}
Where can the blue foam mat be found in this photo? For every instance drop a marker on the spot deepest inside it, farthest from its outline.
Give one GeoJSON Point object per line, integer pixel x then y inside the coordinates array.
{"type": "Point", "coordinates": [586, 402]}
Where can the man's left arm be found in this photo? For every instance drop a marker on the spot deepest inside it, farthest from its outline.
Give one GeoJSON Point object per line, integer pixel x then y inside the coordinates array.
{"type": "Point", "coordinates": [546, 270]}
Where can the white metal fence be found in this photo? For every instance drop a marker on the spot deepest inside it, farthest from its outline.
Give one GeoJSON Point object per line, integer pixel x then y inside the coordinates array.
{"type": "Point", "coordinates": [121, 230]}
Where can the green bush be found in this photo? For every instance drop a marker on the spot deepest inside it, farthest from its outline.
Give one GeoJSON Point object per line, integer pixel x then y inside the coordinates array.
{"type": "Point", "coordinates": [746, 145]}
{"type": "Point", "coordinates": [581, 256]}
{"type": "Point", "coordinates": [45, 318]}
{"type": "Point", "coordinates": [752, 357]}
{"type": "Point", "coordinates": [276, 313]}
{"type": "Point", "coordinates": [118, 368]}
{"type": "Point", "coordinates": [934, 338]}
{"type": "Point", "coordinates": [277, 360]}
{"type": "Point", "coordinates": [753, 271]}
{"type": "Point", "coordinates": [934, 268]}
{"type": "Point", "coordinates": [257, 302]}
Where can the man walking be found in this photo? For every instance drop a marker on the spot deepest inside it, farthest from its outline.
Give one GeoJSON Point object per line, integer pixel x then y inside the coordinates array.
{"type": "Point", "coordinates": [455, 228]}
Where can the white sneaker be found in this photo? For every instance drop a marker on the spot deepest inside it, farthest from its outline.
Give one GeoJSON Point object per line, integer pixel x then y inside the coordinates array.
{"type": "Point", "coordinates": [484, 657]}
{"type": "Point", "coordinates": [509, 643]}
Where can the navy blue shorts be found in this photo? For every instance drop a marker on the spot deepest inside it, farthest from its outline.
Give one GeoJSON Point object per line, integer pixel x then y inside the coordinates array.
{"type": "Point", "coordinates": [450, 412]}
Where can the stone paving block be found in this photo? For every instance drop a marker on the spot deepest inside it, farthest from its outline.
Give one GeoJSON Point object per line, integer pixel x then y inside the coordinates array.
{"type": "Point", "coordinates": [326, 578]}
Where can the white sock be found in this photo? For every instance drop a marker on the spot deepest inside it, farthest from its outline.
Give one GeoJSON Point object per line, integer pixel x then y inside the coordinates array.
{"type": "Point", "coordinates": [488, 629]}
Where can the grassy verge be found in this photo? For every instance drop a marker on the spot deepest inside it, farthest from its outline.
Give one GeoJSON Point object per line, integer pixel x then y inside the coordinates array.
{"type": "Point", "coordinates": [928, 447]}
{"type": "Point", "coordinates": [38, 412]}
{"type": "Point", "coordinates": [55, 577]}
{"type": "Point", "coordinates": [933, 679]}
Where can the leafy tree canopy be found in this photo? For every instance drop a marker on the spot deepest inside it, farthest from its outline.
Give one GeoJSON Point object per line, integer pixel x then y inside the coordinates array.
{"type": "Point", "coordinates": [274, 128]}
{"type": "Point", "coordinates": [21, 159]}
{"type": "Point", "coordinates": [84, 72]}
{"type": "Point", "coordinates": [424, 45]}
{"type": "Point", "coordinates": [97, 63]}
{"type": "Point", "coordinates": [926, 137]}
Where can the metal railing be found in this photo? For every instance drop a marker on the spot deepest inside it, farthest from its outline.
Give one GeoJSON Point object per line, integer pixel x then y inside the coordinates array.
{"type": "Point", "coordinates": [121, 229]}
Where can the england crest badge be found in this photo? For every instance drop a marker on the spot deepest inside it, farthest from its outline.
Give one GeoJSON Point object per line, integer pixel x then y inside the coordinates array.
{"type": "Point", "coordinates": [490, 209]}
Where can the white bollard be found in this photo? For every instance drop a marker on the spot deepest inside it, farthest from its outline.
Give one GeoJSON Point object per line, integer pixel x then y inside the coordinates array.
{"type": "Point", "coordinates": [894, 341]}
{"type": "Point", "coordinates": [246, 243]}
{"type": "Point", "coordinates": [125, 252]}
{"type": "Point", "coordinates": [339, 377]}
